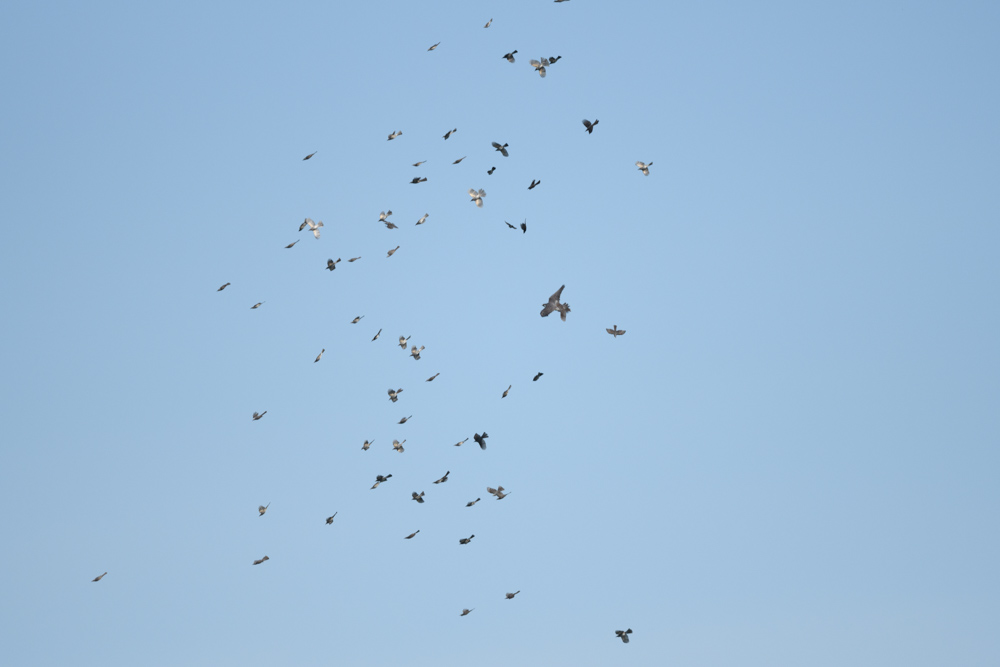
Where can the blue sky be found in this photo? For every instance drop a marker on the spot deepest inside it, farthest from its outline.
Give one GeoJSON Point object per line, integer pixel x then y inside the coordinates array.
{"type": "Point", "coordinates": [790, 458]}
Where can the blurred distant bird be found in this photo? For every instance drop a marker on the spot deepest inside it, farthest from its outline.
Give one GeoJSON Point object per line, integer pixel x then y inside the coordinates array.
{"type": "Point", "coordinates": [477, 197]}
{"type": "Point", "coordinates": [466, 540]}
{"type": "Point", "coordinates": [310, 155]}
{"type": "Point", "coordinates": [423, 219]}
{"type": "Point", "coordinates": [590, 126]}
{"type": "Point", "coordinates": [540, 66]}
{"type": "Point", "coordinates": [466, 612]}
{"type": "Point", "coordinates": [460, 159]}
{"type": "Point", "coordinates": [261, 560]}
{"type": "Point", "coordinates": [419, 497]}
{"type": "Point", "coordinates": [357, 319]}
{"type": "Point", "coordinates": [257, 305]}
{"type": "Point", "coordinates": [560, 0]}
{"type": "Point", "coordinates": [329, 519]}
{"type": "Point", "coordinates": [535, 379]}
{"type": "Point", "coordinates": [502, 149]}
{"type": "Point", "coordinates": [393, 394]}
{"type": "Point", "coordinates": [533, 184]}
{"type": "Point", "coordinates": [98, 577]}
{"type": "Point", "coordinates": [524, 226]}
{"type": "Point", "coordinates": [432, 377]}
{"type": "Point", "coordinates": [390, 225]}
{"type": "Point", "coordinates": [353, 259]}
{"type": "Point", "coordinates": [490, 171]}
{"type": "Point", "coordinates": [367, 444]}
{"type": "Point", "coordinates": [320, 355]}
{"type": "Point", "coordinates": [290, 244]}
{"type": "Point", "coordinates": [488, 23]}
{"type": "Point", "coordinates": [443, 479]}
{"type": "Point", "coordinates": [552, 60]}
{"type": "Point", "coordinates": [394, 135]}
{"type": "Point", "coordinates": [553, 305]}
{"type": "Point", "coordinates": [472, 502]}
{"type": "Point", "coordinates": [498, 492]}
{"type": "Point", "coordinates": [404, 420]}
{"type": "Point", "coordinates": [481, 439]}
{"type": "Point", "coordinates": [510, 56]}
{"type": "Point", "coordinates": [616, 332]}
{"type": "Point", "coordinates": [417, 180]}
{"type": "Point", "coordinates": [377, 335]}
{"type": "Point", "coordinates": [314, 226]}
{"type": "Point", "coordinates": [263, 508]}
{"type": "Point", "coordinates": [398, 446]}
{"type": "Point", "coordinates": [449, 133]}
{"type": "Point", "coordinates": [644, 168]}
{"type": "Point", "coordinates": [223, 287]}
{"type": "Point", "coordinates": [459, 444]}
{"type": "Point", "coordinates": [379, 479]}
{"type": "Point", "coordinates": [258, 415]}
{"type": "Point", "coordinates": [510, 596]}
{"type": "Point", "coordinates": [433, 47]}
{"type": "Point", "coordinates": [510, 225]}
{"type": "Point", "coordinates": [415, 352]}
{"type": "Point", "coordinates": [331, 265]}
{"type": "Point", "coordinates": [411, 536]}
{"type": "Point", "coordinates": [383, 215]}
{"type": "Point", "coordinates": [402, 342]}
{"type": "Point", "coordinates": [392, 251]}
{"type": "Point", "coordinates": [417, 164]}
{"type": "Point", "coordinates": [506, 391]}
{"type": "Point", "coordinates": [621, 633]}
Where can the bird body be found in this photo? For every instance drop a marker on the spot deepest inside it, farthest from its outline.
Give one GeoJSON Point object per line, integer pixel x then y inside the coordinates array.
{"type": "Point", "coordinates": [502, 149]}
{"type": "Point", "coordinates": [466, 612]}
{"type": "Point", "coordinates": [510, 596]}
{"type": "Point", "coordinates": [553, 305]}
{"type": "Point", "coordinates": [423, 219]}
{"type": "Point", "coordinates": [398, 446]}
{"type": "Point", "coordinates": [393, 394]}
{"type": "Point", "coordinates": [392, 251]}
{"type": "Point", "coordinates": [419, 497]}
{"type": "Point", "coordinates": [357, 319]}
{"type": "Point", "coordinates": [433, 47]}
{"type": "Point", "coordinates": [258, 415]}
{"type": "Point", "coordinates": [415, 352]}
{"type": "Point", "coordinates": [481, 439]}
{"type": "Point", "coordinates": [498, 492]}
{"type": "Point", "coordinates": [223, 287]}
{"type": "Point", "coordinates": [590, 126]}
{"type": "Point", "coordinates": [431, 378]}
{"type": "Point", "coordinates": [379, 479]}
{"type": "Point", "coordinates": [509, 57]}
{"type": "Point", "coordinates": [331, 265]}
{"type": "Point", "coordinates": [472, 502]}
{"type": "Point", "coordinates": [443, 479]}
{"type": "Point", "coordinates": [261, 560]}
{"type": "Point", "coordinates": [644, 168]}
{"type": "Point", "coordinates": [314, 226]}
{"type": "Point", "coordinates": [460, 159]}
{"type": "Point", "coordinates": [534, 184]}
{"type": "Point", "coordinates": [291, 244]}
{"type": "Point", "coordinates": [624, 634]}
{"type": "Point", "coordinates": [449, 133]}
{"type": "Point", "coordinates": [377, 335]}
{"type": "Point", "coordinates": [263, 508]}
{"type": "Point", "coordinates": [540, 66]}
{"type": "Point", "coordinates": [535, 379]}
{"type": "Point", "coordinates": [402, 342]}
{"type": "Point", "coordinates": [477, 197]}
{"type": "Point", "coordinates": [506, 391]}
{"type": "Point", "coordinates": [320, 355]}
{"type": "Point", "coordinates": [524, 226]}
{"type": "Point", "coordinates": [418, 180]}
{"type": "Point", "coordinates": [367, 444]}
{"type": "Point", "coordinates": [393, 135]}
{"type": "Point", "coordinates": [329, 519]}
{"type": "Point", "coordinates": [257, 305]}
{"type": "Point", "coordinates": [466, 540]}
{"type": "Point", "coordinates": [616, 332]}
{"type": "Point", "coordinates": [310, 155]}
{"type": "Point", "coordinates": [488, 23]}
{"type": "Point", "coordinates": [490, 171]}
{"type": "Point", "coordinates": [98, 577]}
{"type": "Point", "coordinates": [405, 419]}
{"type": "Point", "coordinates": [411, 536]}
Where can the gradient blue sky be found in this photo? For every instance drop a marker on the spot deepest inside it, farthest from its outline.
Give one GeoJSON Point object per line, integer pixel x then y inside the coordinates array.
{"type": "Point", "coordinates": [790, 458]}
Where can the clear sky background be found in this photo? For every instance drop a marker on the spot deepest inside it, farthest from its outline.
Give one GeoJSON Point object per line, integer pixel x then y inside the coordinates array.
{"type": "Point", "coordinates": [791, 458]}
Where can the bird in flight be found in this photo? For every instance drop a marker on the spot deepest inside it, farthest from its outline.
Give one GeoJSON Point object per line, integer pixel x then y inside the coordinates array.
{"type": "Point", "coordinates": [644, 168]}
{"type": "Point", "coordinates": [472, 502]}
{"type": "Point", "coordinates": [98, 577]}
{"type": "Point", "coordinates": [357, 319]}
{"type": "Point", "coordinates": [384, 215]}
{"type": "Point", "coordinates": [460, 159]}
{"type": "Point", "coordinates": [621, 633]}
{"type": "Point", "coordinates": [433, 47]}
{"type": "Point", "coordinates": [411, 536]}
{"type": "Point", "coordinates": [540, 66]}
{"type": "Point", "coordinates": [553, 305]}
{"type": "Point", "coordinates": [423, 219]}
{"type": "Point", "coordinates": [477, 197]}
{"type": "Point", "coordinates": [466, 540]}
{"type": "Point", "coordinates": [616, 332]}
{"type": "Point", "coordinates": [415, 352]}
{"type": "Point", "coordinates": [498, 492]}
{"type": "Point", "coordinates": [419, 497]}
{"type": "Point", "coordinates": [398, 446]}
{"type": "Point", "coordinates": [257, 305]}
{"type": "Point", "coordinates": [510, 596]}
{"type": "Point", "coordinates": [449, 133]}
{"type": "Point", "coordinates": [291, 244]}
{"type": "Point", "coordinates": [379, 479]}
{"type": "Point", "coordinates": [314, 226]}
{"type": "Point", "coordinates": [404, 420]}
{"type": "Point", "coordinates": [509, 57]}
{"type": "Point", "coordinates": [390, 225]}
{"type": "Point", "coordinates": [310, 155]}
{"type": "Point", "coordinates": [534, 183]}
{"type": "Point", "coordinates": [329, 519]}
{"type": "Point", "coordinates": [394, 135]}
{"type": "Point", "coordinates": [466, 612]}
{"type": "Point", "coordinates": [552, 60]}
{"type": "Point", "coordinates": [506, 391]}
{"type": "Point", "coordinates": [263, 508]}
{"type": "Point", "coordinates": [488, 23]}
{"type": "Point", "coordinates": [402, 342]}
{"type": "Point", "coordinates": [535, 379]}
{"type": "Point", "coordinates": [502, 149]}
{"type": "Point", "coordinates": [481, 439]}
{"type": "Point", "coordinates": [261, 560]}
{"type": "Point", "coordinates": [320, 355]}
{"type": "Point", "coordinates": [443, 479]}
{"type": "Point", "coordinates": [367, 444]}
{"type": "Point", "coordinates": [431, 378]}
{"type": "Point", "coordinates": [459, 444]}
{"type": "Point", "coordinates": [377, 335]}
{"type": "Point", "coordinates": [510, 225]}
{"type": "Point", "coordinates": [490, 171]}
{"type": "Point", "coordinates": [392, 251]}
{"type": "Point", "coordinates": [331, 265]}
{"type": "Point", "coordinates": [258, 415]}
{"type": "Point", "coordinates": [353, 259]}
{"type": "Point", "coordinates": [590, 126]}
{"type": "Point", "coordinates": [524, 226]}
{"type": "Point", "coordinates": [417, 180]}
{"type": "Point", "coordinates": [393, 394]}
{"type": "Point", "coordinates": [417, 164]}
{"type": "Point", "coordinates": [223, 287]}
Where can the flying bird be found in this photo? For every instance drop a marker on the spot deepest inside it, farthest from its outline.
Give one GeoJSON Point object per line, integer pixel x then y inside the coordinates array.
{"type": "Point", "coordinates": [443, 479]}
{"type": "Point", "coordinates": [553, 305]}
{"type": "Point", "coordinates": [263, 508]}
{"type": "Point", "coordinates": [644, 168]}
{"type": "Point", "coordinates": [320, 355]}
{"type": "Point", "coordinates": [377, 335]}
{"type": "Point", "coordinates": [98, 577]}
{"type": "Point", "coordinates": [616, 332]}
{"type": "Point", "coordinates": [477, 197]}
{"type": "Point", "coordinates": [411, 536]}
{"type": "Point", "coordinates": [540, 66]}
{"type": "Point", "coordinates": [393, 394]}
{"type": "Point", "coordinates": [291, 244]}
{"type": "Point", "coordinates": [261, 560]}
{"type": "Point", "coordinates": [353, 259]}
{"type": "Point", "coordinates": [502, 149]}
{"type": "Point", "coordinates": [257, 305]}
{"type": "Point", "coordinates": [535, 379]}
{"type": "Point", "coordinates": [498, 492]}
{"type": "Point", "coordinates": [379, 479]}
{"type": "Point", "coordinates": [590, 126]}
{"type": "Point", "coordinates": [621, 633]}
{"type": "Point", "coordinates": [258, 415]}
{"type": "Point", "coordinates": [524, 226]}
{"type": "Point", "coordinates": [314, 226]}
{"type": "Point", "coordinates": [419, 497]}
{"type": "Point", "coordinates": [392, 251]}
{"type": "Point", "coordinates": [383, 215]}
{"type": "Point", "coordinates": [510, 596]}
{"type": "Point", "coordinates": [431, 378]}
{"type": "Point", "coordinates": [466, 540]}
{"type": "Point", "coordinates": [510, 225]}
{"type": "Point", "coordinates": [367, 444]}
{"type": "Point", "coordinates": [417, 164]}
{"type": "Point", "coordinates": [449, 133]}
{"type": "Point", "coordinates": [472, 502]}
{"type": "Point", "coordinates": [534, 183]}
{"type": "Point", "coordinates": [404, 420]}
{"type": "Point", "coordinates": [331, 265]}
{"type": "Point", "coordinates": [490, 171]}
{"type": "Point", "coordinates": [423, 219]}
{"type": "Point", "coordinates": [415, 352]}
{"type": "Point", "coordinates": [402, 342]}
{"type": "Point", "coordinates": [390, 225]}
{"type": "Point", "coordinates": [460, 159]}
{"type": "Point", "coordinates": [488, 23]}
{"type": "Point", "coordinates": [394, 135]}
{"type": "Point", "coordinates": [552, 60]}
{"type": "Point", "coordinates": [481, 439]}
{"type": "Point", "coordinates": [357, 319]}
{"type": "Point", "coordinates": [506, 391]}
{"type": "Point", "coordinates": [509, 57]}
{"type": "Point", "coordinates": [329, 519]}
{"type": "Point", "coordinates": [433, 47]}
{"type": "Point", "coordinates": [398, 446]}
{"type": "Point", "coordinates": [310, 155]}
{"type": "Point", "coordinates": [466, 612]}
{"type": "Point", "coordinates": [459, 444]}
{"type": "Point", "coordinates": [223, 287]}
{"type": "Point", "coordinates": [417, 180]}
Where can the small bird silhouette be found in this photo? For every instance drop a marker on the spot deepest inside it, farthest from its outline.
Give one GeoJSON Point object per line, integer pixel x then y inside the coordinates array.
{"type": "Point", "coordinates": [257, 305]}
{"type": "Point", "coordinates": [417, 180]}
{"type": "Point", "coordinates": [419, 497]}
{"type": "Point", "coordinates": [394, 135]}
{"type": "Point", "coordinates": [392, 251]}
{"type": "Point", "coordinates": [524, 226]}
{"type": "Point", "coordinates": [357, 319]}
{"type": "Point", "coordinates": [262, 509]}
{"type": "Point", "coordinates": [490, 171]}
{"type": "Point", "coordinates": [622, 633]}
{"type": "Point", "coordinates": [379, 479]}
{"type": "Point", "coordinates": [590, 126]}
{"type": "Point", "coordinates": [481, 439]}
{"type": "Point", "coordinates": [443, 479]}
{"type": "Point", "coordinates": [510, 225]}
{"type": "Point", "coordinates": [223, 287]}
{"type": "Point", "coordinates": [377, 335]}
{"type": "Point", "coordinates": [417, 164]}
{"type": "Point", "coordinates": [466, 612]}
{"type": "Point", "coordinates": [402, 342]}
{"type": "Point", "coordinates": [535, 379]}
{"type": "Point", "coordinates": [466, 540]}
{"type": "Point", "coordinates": [459, 444]}
{"type": "Point", "coordinates": [98, 577]}
{"type": "Point", "coordinates": [502, 149]}
{"type": "Point", "coordinates": [449, 133]}
{"type": "Point", "coordinates": [553, 305]}
{"type": "Point", "coordinates": [258, 415]}
{"type": "Point", "coordinates": [460, 159]}
{"type": "Point", "coordinates": [498, 492]}
{"type": "Point", "coordinates": [398, 446]}
{"type": "Point", "coordinates": [616, 332]}
{"type": "Point", "coordinates": [261, 560]}
{"type": "Point", "coordinates": [506, 391]}
{"type": "Point", "coordinates": [310, 155]}
{"type": "Point", "coordinates": [644, 168]}
{"type": "Point", "coordinates": [472, 502]}
{"type": "Point", "coordinates": [488, 23]}
{"type": "Point", "coordinates": [509, 57]}
{"type": "Point", "coordinates": [553, 59]}
{"type": "Point", "coordinates": [423, 219]}
{"type": "Point", "coordinates": [329, 519]}
{"type": "Point", "coordinates": [390, 225]}
{"type": "Point", "coordinates": [405, 419]}
{"type": "Point", "coordinates": [383, 215]}
{"type": "Point", "coordinates": [411, 536]}
{"type": "Point", "coordinates": [431, 378]}
{"type": "Point", "coordinates": [320, 355]}
{"type": "Point", "coordinates": [534, 183]}
{"type": "Point", "coordinates": [367, 444]}
{"type": "Point", "coordinates": [510, 596]}
{"type": "Point", "coordinates": [415, 351]}
{"type": "Point", "coordinates": [331, 265]}
{"type": "Point", "coordinates": [433, 47]}
{"type": "Point", "coordinates": [393, 394]}
{"type": "Point", "coordinates": [291, 244]}
{"type": "Point", "coordinates": [353, 259]}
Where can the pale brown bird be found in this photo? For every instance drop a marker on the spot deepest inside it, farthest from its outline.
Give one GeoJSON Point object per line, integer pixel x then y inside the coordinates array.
{"type": "Point", "coordinates": [398, 446]}
{"type": "Point", "coordinates": [258, 562]}
{"type": "Point", "coordinates": [417, 164]}
{"type": "Point", "coordinates": [590, 126]}
{"type": "Point", "coordinates": [402, 342]}
{"type": "Point", "coordinates": [535, 379]}
{"type": "Point", "coordinates": [488, 23]}
{"type": "Point", "coordinates": [510, 596]}
{"type": "Point", "coordinates": [419, 497]}
{"type": "Point", "coordinates": [415, 352]}
{"type": "Point", "coordinates": [466, 540]}
{"type": "Point", "coordinates": [411, 536]}
{"type": "Point", "coordinates": [353, 259]}
{"type": "Point", "coordinates": [540, 66]}
{"type": "Point", "coordinates": [417, 180]}
{"type": "Point", "coordinates": [393, 394]}
{"type": "Point", "coordinates": [449, 133]}
{"type": "Point", "coordinates": [623, 633]}
{"type": "Point", "coordinates": [357, 319]}
{"type": "Point", "coordinates": [329, 519]}
{"type": "Point", "coordinates": [466, 612]}
{"type": "Point", "coordinates": [291, 244]}
{"type": "Point", "coordinates": [405, 419]}
{"type": "Point", "coordinates": [263, 508]}
{"type": "Point", "coordinates": [384, 215]}
{"type": "Point", "coordinates": [258, 415]}
{"type": "Point", "coordinates": [509, 57]}
{"type": "Point", "coordinates": [98, 577]}
{"type": "Point", "coordinates": [616, 332]}
{"type": "Point", "coordinates": [553, 305]}
{"type": "Point", "coordinates": [472, 502]}
{"type": "Point", "coordinates": [459, 444]}
{"type": "Point", "coordinates": [223, 287]}
{"type": "Point", "coordinates": [367, 444]}
{"type": "Point", "coordinates": [644, 168]}
{"type": "Point", "coordinates": [257, 305]}
{"type": "Point", "coordinates": [502, 149]}
{"type": "Point", "coordinates": [498, 492]}
{"type": "Point", "coordinates": [331, 265]}
{"type": "Point", "coordinates": [534, 184]}
{"type": "Point", "coordinates": [460, 159]}
{"type": "Point", "coordinates": [379, 479]}
{"type": "Point", "coordinates": [432, 377]}
{"type": "Point", "coordinates": [506, 391]}
{"type": "Point", "coordinates": [481, 439]}
{"type": "Point", "coordinates": [394, 135]}
{"type": "Point", "coordinates": [392, 251]}
{"type": "Point", "coordinates": [377, 335]}
{"type": "Point", "coordinates": [443, 479]}
{"type": "Point", "coordinates": [320, 355]}
{"type": "Point", "coordinates": [310, 155]}
{"type": "Point", "coordinates": [433, 47]}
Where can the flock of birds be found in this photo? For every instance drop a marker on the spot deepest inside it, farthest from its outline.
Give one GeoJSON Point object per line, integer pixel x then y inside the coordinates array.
{"type": "Point", "coordinates": [552, 305]}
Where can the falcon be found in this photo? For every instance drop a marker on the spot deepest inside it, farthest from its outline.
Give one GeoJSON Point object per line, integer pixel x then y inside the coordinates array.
{"type": "Point", "coordinates": [616, 332]}
{"type": "Point", "coordinates": [553, 305]}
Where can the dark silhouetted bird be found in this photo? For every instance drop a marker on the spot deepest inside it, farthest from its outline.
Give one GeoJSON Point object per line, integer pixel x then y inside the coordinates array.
{"type": "Point", "coordinates": [261, 560]}
{"type": "Point", "coordinates": [490, 171]}
{"type": "Point", "coordinates": [411, 536]}
{"type": "Point", "coordinates": [590, 126]}
{"type": "Point", "coordinates": [553, 59]}
{"type": "Point", "coordinates": [367, 444]}
{"type": "Point", "coordinates": [98, 577]}
{"type": "Point", "coordinates": [623, 633]}
{"type": "Point", "coordinates": [257, 305]}
{"type": "Point", "coordinates": [460, 159]}
{"type": "Point", "coordinates": [320, 355]}
{"type": "Point", "coordinates": [390, 225]}
{"type": "Point", "coordinates": [481, 439]}
{"type": "Point", "coordinates": [262, 509]}
{"type": "Point", "coordinates": [379, 479]}
{"type": "Point", "coordinates": [533, 184]}
{"type": "Point", "coordinates": [377, 335]}
{"type": "Point", "coordinates": [510, 596]}
{"type": "Point", "coordinates": [449, 133]}
{"type": "Point", "coordinates": [329, 519]}
{"type": "Point", "coordinates": [395, 134]}
{"type": "Point", "coordinates": [466, 612]}
{"type": "Point", "coordinates": [524, 226]}
{"type": "Point", "coordinates": [310, 155]}
{"type": "Point", "coordinates": [535, 379]}
{"type": "Point", "coordinates": [258, 415]}
{"type": "Point", "coordinates": [506, 391]}
{"type": "Point", "coordinates": [644, 168]}
{"type": "Point", "coordinates": [553, 305]}
{"type": "Point", "coordinates": [443, 479]}
{"type": "Point", "coordinates": [417, 164]}
{"type": "Point", "coordinates": [223, 287]}
{"type": "Point", "coordinates": [510, 225]}
{"type": "Point", "coordinates": [431, 378]}
{"type": "Point", "coordinates": [393, 394]}
{"type": "Point", "coordinates": [423, 219]}
{"type": "Point", "coordinates": [290, 244]}
{"type": "Point", "coordinates": [331, 265]}
{"type": "Point", "coordinates": [433, 47]}
{"type": "Point", "coordinates": [417, 180]}
{"type": "Point", "coordinates": [488, 23]}
{"type": "Point", "coordinates": [466, 540]}
{"type": "Point", "coordinates": [405, 419]}
{"type": "Point", "coordinates": [502, 149]}
{"type": "Point", "coordinates": [472, 502]}
{"type": "Point", "coordinates": [392, 251]}
{"type": "Point", "coordinates": [510, 56]}
{"type": "Point", "coordinates": [419, 497]}
{"type": "Point", "coordinates": [616, 332]}
{"type": "Point", "coordinates": [357, 319]}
